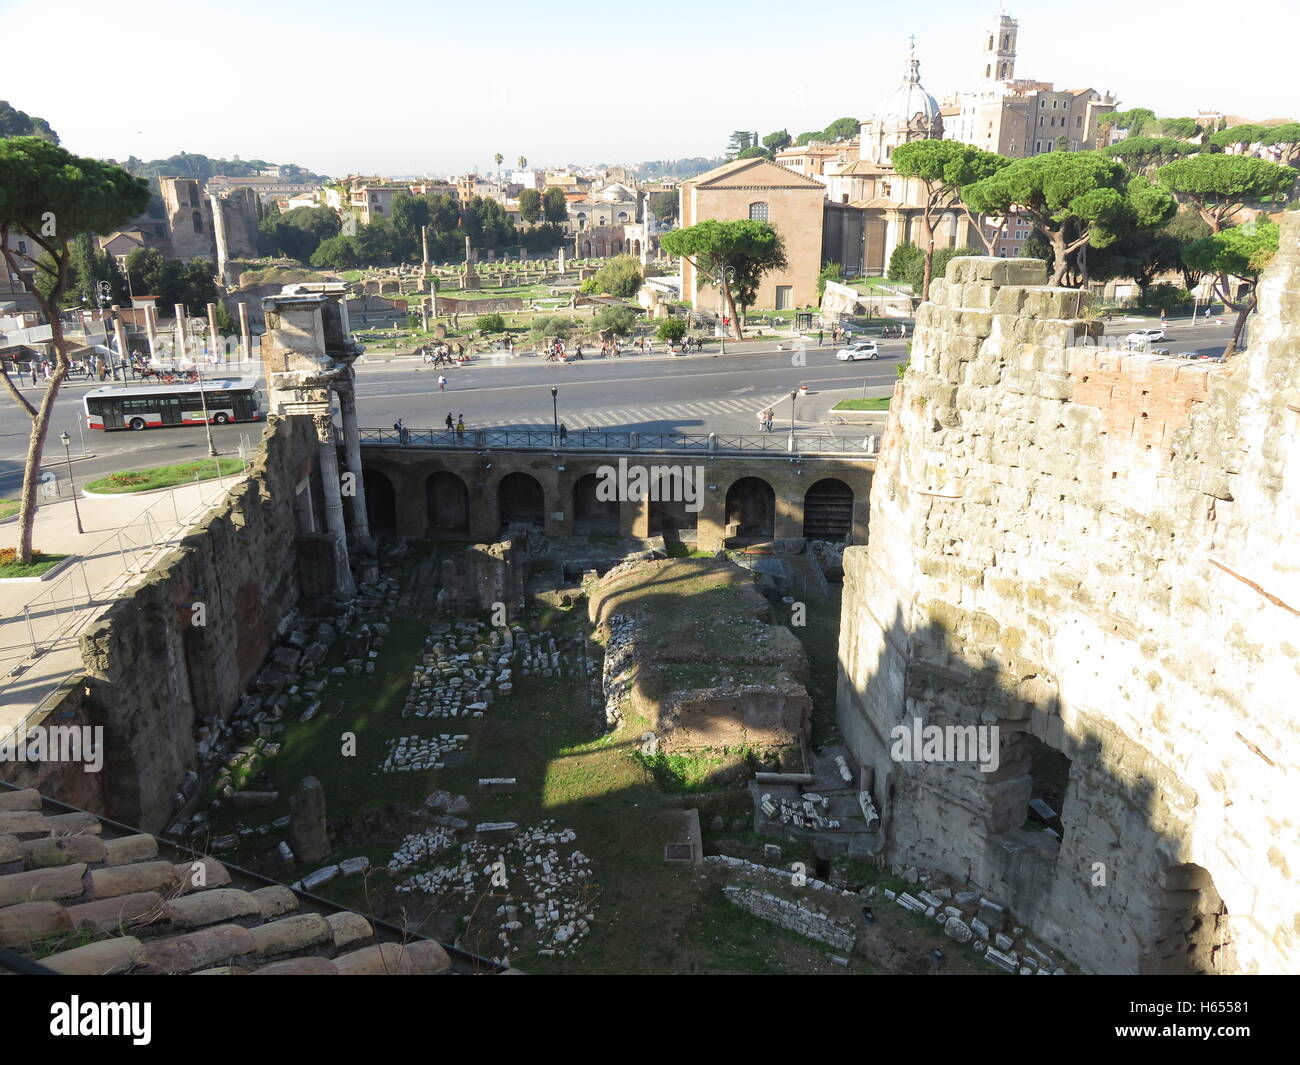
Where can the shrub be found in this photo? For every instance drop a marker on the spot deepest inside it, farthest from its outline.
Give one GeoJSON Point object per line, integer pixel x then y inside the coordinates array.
{"type": "Point", "coordinates": [671, 330]}
{"type": "Point", "coordinates": [1166, 296]}
{"type": "Point", "coordinates": [621, 277]}
{"type": "Point", "coordinates": [491, 323]}
{"type": "Point", "coordinates": [554, 325]}
{"type": "Point", "coordinates": [615, 320]}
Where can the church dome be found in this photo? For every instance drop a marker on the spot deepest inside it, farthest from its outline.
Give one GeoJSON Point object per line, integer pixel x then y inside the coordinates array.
{"type": "Point", "coordinates": [907, 101]}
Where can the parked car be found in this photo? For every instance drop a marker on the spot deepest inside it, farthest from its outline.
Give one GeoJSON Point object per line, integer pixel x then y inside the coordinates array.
{"type": "Point", "coordinates": [1142, 337]}
{"type": "Point", "coordinates": [859, 349]}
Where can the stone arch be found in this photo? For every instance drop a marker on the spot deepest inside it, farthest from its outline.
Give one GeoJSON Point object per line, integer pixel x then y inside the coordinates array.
{"type": "Point", "coordinates": [521, 501]}
{"type": "Point", "coordinates": [615, 247]}
{"type": "Point", "coordinates": [828, 510]}
{"type": "Point", "coordinates": [622, 216]}
{"type": "Point", "coordinates": [593, 516]}
{"type": "Point", "coordinates": [669, 519]}
{"type": "Point", "coordinates": [751, 509]}
{"type": "Point", "coordinates": [447, 504]}
{"type": "Point", "coordinates": [635, 249]}
{"type": "Point", "coordinates": [585, 250]}
{"type": "Point", "coordinates": [197, 219]}
{"type": "Point", "coordinates": [1193, 936]}
{"type": "Point", "coordinates": [381, 501]}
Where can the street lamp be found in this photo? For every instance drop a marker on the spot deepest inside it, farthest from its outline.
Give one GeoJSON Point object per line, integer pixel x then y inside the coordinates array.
{"type": "Point", "coordinates": [66, 441]}
{"type": "Point", "coordinates": [555, 409]}
{"type": "Point", "coordinates": [792, 397]}
{"type": "Point", "coordinates": [207, 422]}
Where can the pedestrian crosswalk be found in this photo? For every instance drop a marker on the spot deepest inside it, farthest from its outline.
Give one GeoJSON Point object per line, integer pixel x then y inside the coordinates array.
{"type": "Point", "coordinates": [730, 410]}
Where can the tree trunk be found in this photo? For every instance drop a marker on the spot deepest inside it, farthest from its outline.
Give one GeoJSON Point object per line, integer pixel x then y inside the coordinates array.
{"type": "Point", "coordinates": [1060, 262]}
{"type": "Point", "coordinates": [36, 443]}
{"type": "Point", "coordinates": [927, 229]}
{"type": "Point", "coordinates": [1083, 266]}
{"type": "Point", "coordinates": [1234, 343]}
{"type": "Point", "coordinates": [730, 300]}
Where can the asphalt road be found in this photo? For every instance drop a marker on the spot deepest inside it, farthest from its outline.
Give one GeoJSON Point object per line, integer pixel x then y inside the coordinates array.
{"type": "Point", "coordinates": [692, 393]}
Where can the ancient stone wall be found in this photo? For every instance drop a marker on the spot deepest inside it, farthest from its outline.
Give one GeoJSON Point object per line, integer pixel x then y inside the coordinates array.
{"type": "Point", "coordinates": [154, 670]}
{"type": "Point", "coordinates": [1096, 553]}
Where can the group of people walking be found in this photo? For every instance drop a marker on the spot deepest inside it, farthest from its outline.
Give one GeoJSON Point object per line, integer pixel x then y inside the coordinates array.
{"type": "Point", "coordinates": [443, 354]}
{"type": "Point", "coordinates": [765, 417]}
{"type": "Point", "coordinates": [457, 427]}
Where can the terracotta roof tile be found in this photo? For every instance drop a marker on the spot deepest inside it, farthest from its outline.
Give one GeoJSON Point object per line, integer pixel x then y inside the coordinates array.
{"type": "Point", "coordinates": [217, 906]}
{"type": "Point", "coordinates": [98, 959]}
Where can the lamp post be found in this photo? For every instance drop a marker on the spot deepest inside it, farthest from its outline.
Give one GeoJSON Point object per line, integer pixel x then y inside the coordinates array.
{"type": "Point", "coordinates": [207, 422]}
{"type": "Point", "coordinates": [66, 441]}
{"type": "Point", "coordinates": [792, 397]}
{"type": "Point", "coordinates": [555, 410]}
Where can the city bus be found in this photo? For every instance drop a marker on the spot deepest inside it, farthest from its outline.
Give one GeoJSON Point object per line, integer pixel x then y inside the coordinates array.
{"type": "Point", "coordinates": [228, 399]}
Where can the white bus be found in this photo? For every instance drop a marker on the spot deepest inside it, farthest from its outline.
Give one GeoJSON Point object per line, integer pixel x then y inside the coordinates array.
{"type": "Point", "coordinates": [228, 399]}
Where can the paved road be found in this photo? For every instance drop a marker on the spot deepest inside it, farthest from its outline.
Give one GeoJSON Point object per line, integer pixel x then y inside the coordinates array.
{"type": "Point", "coordinates": [693, 393]}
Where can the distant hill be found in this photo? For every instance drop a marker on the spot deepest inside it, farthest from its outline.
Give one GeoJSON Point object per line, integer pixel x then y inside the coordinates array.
{"type": "Point", "coordinates": [202, 168]}
{"type": "Point", "coordinates": [15, 123]}
{"type": "Point", "coordinates": [678, 169]}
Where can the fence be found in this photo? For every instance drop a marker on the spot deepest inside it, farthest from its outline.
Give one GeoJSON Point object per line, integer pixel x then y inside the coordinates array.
{"type": "Point", "coordinates": [578, 440]}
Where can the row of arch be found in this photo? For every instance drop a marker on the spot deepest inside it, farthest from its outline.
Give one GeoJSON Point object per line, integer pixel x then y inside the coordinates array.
{"type": "Point", "coordinates": [601, 249]}
{"type": "Point", "coordinates": [750, 507]}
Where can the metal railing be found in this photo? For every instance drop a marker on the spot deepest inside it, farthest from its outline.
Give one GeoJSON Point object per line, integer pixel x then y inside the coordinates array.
{"type": "Point", "coordinates": [577, 440]}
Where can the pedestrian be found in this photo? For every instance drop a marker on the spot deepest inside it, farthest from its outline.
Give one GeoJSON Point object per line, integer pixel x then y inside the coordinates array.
{"type": "Point", "coordinates": [564, 432]}
{"type": "Point", "coordinates": [762, 420]}
{"type": "Point", "coordinates": [902, 331]}
{"type": "Point", "coordinates": [577, 352]}
{"type": "Point", "coordinates": [460, 428]}
{"type": "Point", "coordinates": [450, 424]}
{"type": "Point", "coordinates": [442, 383]}
{"type": "Point", "coordinates": [820, 334]}
{"type": "Point", "coordinates": [649, 347]}
{"type": "Point", "coordinates": [403, 435]}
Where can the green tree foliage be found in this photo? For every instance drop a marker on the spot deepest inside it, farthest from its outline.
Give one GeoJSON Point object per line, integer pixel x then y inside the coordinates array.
{"type": "Point", "coordinates": [1134, 121]}
{"type": "Point", "coordinates": [543, 238]}
{"type": "Point", "coordinates": [1287, 138]}
{"type": "Point", "coordinates": [807, 138]}
{"type": "Point", "coordinates": [337, 253]}
{"type": "Point", "coordinates": [621, 277]}
{"type": "Point", "coordinates": [15, 123]}
{"type": "Point", "coordinates": [553, 325]}
{"type": "Point", "coordinates": [1220, 185]}
{"type": "Point", "coordinates": [778, 141]}
{"type": "Point", "coordinates": [615, 321]}
{"type": "Point", "coordinates": [902, 260]}
{"type": "Point", "coordinates": [1142, 153]}
{"type": "Point", "coordinates": [1140, 255]}
{"type": "Point", "coordinates": [755, 153]}
{"type": "Point", "coordinates": [87, 268]}
{"type": "Point", "coordinates": [1241, 252]}
{"type": "Point", "coordinates": [555, 208]}
{"type": "Point", "coordinates": [732, 254]}
{"type": "Point", "coordinates": [297, 233]}
{"type": "Point", "coordinates": [829, 272]}
{"type": "Point", "coordinates": [490, 323]}
{"type": "Point", "coordinates": [1166, 297]}
{"type": "Point", "coordinates": [671, 330]}
{"type": "Point", "coordinates": [1186, 227]}
{"type": "Point", "coordinates": [842, 129]}
{"type": "Point", "coordinates": [1181, 128]}
{"type": "Point", "coordinates": [942, 257]}
{"type": "Point", "coordinates": [663, 205]}
{"type": "Point", "coordinates": [1088, 189]}
{"type": "Point", "coordinates": [676, 169]}
{"type": "Point", "coordinates": [530, 205]}
{"type": "Point", "coordinates": [523, 162]}
{"type": "Point", "coordinates": [944, 168]}
{"type": "Point", "coordinates": [192, 283]}
{"type": "Point", "coordinates": [48, 197]}
{"type": "Point", "coordinates": [1242, 136]}
{"type": "Point", "coordinates": [741, 140]}
{"type": "Point", "coordinates": [201, 167]}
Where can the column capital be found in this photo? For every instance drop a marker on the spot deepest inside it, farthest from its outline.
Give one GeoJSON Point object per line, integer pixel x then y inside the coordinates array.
{"type": "Point", "coordinates": [324, 424]}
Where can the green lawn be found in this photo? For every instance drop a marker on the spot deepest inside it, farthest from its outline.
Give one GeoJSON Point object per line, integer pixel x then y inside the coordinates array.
{"type": "Point", "coordinates": [165, 476]}
{"type": "Point", "coordinates": [874, 403]}
{"type": "Point", "coordinates": [9, 507]}
{"type": "Point", "coordinates": [38, 565]}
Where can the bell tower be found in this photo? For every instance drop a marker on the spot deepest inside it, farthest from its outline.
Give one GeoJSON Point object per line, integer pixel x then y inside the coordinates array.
{"type": "Point", "coordinates": [999, 62]}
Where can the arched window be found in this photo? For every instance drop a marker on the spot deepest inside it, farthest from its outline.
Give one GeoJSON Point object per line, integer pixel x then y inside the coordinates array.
{"type": "Point", "coordinates": [988, 71]}
{"type": "Point", "coordinates": [990, 42]}
{"type": "Point", "coordinates": [198, 222]}
{"type": "Point", "coordinates": [758, 212]}
{"type": "Point", "coordinates": [622, 216]}
{"type": "Point", "coordinates": [1003, 73]}
{"type": "Point", "coordinates": [1006, 41]}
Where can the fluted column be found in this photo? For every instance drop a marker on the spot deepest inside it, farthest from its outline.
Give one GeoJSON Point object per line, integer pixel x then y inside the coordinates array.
{"type": "Point", "coordinates": [352, 456]}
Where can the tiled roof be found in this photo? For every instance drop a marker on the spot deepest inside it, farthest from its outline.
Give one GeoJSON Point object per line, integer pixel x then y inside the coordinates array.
{"type": "Point", "coordinates": [129, 903]}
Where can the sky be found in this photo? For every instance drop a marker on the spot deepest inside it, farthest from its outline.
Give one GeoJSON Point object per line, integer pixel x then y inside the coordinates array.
{"type": "Point", "coordinates": [404, 87]}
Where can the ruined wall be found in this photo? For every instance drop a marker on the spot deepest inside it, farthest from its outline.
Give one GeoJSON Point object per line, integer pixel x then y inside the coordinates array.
{"type": "Point", "coordinates": [1095, 552]}
{"type": "Point", "coordinates": [154, 672]}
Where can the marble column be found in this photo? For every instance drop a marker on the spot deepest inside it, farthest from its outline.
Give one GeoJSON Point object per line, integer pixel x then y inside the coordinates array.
{"type": "Point", "coordinates": [327, 455]}
{"type": "Point", "coordinates": [151, 331]}
{"type": "Point", "coordinates": [245, 340]}
{"type": "Point", "coordinates": [352, 457]}
{"type": "Point", "coordinates": [214, 339]}
{"type": "Point", "coordinates": [179, 311]}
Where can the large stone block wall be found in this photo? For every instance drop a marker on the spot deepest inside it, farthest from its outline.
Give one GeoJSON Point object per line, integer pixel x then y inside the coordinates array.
{"type": "Point", "coordinates": [153, 673]}
{"type": "Point", "coordinates": [1095, 552]}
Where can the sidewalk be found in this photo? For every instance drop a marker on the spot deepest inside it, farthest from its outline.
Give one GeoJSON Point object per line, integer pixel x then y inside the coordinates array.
{"type": "Point", "coordinates": [41, 621]}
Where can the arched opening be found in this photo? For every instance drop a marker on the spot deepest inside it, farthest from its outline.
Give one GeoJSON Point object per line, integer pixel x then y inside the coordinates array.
{"type": "Point", "coordinates": [988, 71]}
{"type": "Point", "coordinates": [636, 247]}
{"type": "Point", "coordinates": [521, 501]}
{"type": "Point", "coordinates": [585, 252]}
{"type": "Point", "coordinates": [622, 216]}
{"type": "Point", "coordinates": [828, 511]}
{"type": "Point", "coordinates": [616, 247]}
{"type": "Point", "coordinates": [1193, 937]}
{"type": "Point", "coordinates": [381, 502]}
{"type": "Point", "coordinates": [1003, 72]}
{"type": "Point", "coordinates": [198, 222]}
{"type": "Point", "coordinates": [670, 519]}
{"type": "Point", "coordinates": [751, 509]}
{"type": "Point", "coordinates": [447, 500]}
{"type": "Point", "coordinates": [593, 516]}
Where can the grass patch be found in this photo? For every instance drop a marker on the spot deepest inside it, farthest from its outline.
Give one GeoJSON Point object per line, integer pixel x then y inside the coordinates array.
{"type": "Point", "coordinates": [40, 563]}
{"type": "Point", "coordinates": [9, 507]}
{"type": "Point", "coordinates": [679, 550]}
{"type": "Point", "coordinates": [166, 476]}
{"type": "Point", "coordinates": [873, 403]}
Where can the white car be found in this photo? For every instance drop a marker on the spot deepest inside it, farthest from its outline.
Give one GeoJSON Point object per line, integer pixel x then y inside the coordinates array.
{"type": "Point", "coordinates": [1142, 337]}
{"type": "Point", "coordinates": [859, 349]}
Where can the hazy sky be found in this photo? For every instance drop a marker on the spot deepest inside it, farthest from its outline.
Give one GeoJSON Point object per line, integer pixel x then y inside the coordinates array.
{"type": "Point", "coordinates": [400, 86]}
